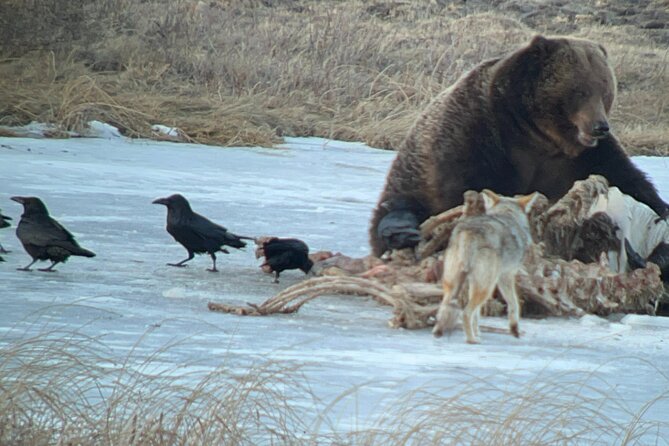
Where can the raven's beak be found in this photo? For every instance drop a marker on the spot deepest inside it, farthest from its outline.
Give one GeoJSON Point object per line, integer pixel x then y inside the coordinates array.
{"type": "Point", "coordinates": [162, 201]}
{"type": "Point", "coordinates": [21, 200]}
{"type": "Point", "coordinates": [314, 271]}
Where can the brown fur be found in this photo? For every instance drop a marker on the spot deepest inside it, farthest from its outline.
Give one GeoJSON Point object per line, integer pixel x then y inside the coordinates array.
{"type": "Point", "coordinates": [534, 120]}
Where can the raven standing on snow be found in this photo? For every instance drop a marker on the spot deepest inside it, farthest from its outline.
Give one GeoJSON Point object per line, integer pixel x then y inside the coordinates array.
{"type": "Point", "coordinates": [196, 233]}
{"type": "Point", "coordinates": [43, 237]}
{"type": "Point", "coordinates": [282, 254]}
{"type": "Point", "coordinates": [4, 223]}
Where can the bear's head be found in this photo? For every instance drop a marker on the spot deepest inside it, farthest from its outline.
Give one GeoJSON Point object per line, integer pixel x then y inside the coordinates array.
{"type": "Point", "coordinates": [563, 88]}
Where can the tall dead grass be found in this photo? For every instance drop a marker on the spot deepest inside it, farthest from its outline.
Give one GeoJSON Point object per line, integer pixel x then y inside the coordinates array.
{"type": "Point", "coordinates": [564, 409]}
{"type": "Point", "coordinates": [63, 387]}
{"type": "Point", "coordinates": [247, 72]}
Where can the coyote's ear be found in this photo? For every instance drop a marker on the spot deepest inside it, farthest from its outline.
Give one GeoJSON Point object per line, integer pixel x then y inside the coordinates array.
{"type": "Point", "coordinates": [490, 199]}
{"type": "Point", "coordinates": [527, 201]}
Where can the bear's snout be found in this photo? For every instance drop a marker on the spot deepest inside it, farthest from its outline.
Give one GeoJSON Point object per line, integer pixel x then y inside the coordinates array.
{"type": "Point", "coordinates": [592, 125]}
{"type": "Point", "coordinates": [600, 129]}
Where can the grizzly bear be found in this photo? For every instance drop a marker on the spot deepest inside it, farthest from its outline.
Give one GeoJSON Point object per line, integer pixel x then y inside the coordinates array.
{"type": "Point", "coordinates": [533, 120]}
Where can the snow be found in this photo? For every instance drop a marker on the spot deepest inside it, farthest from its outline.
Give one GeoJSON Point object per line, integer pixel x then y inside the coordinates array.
{"type": "Point", "coordinates": [97, 129]}
{"type": "Point", "coordinates": [163, 129]}
{"type": "Point", "coordinates": [319, 190]}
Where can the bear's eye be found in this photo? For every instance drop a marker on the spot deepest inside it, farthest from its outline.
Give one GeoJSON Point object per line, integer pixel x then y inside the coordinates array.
{"type": "Point", "coordinates": [579, 94]}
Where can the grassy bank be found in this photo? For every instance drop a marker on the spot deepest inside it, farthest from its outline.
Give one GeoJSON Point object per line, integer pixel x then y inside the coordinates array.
{"type": "Point", "coordinates": [64, 387]}
{"type": "Point", "coordinates": [247, 72]}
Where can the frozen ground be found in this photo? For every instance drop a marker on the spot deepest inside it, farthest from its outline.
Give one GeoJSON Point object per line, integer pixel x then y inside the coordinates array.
{"type": "Point", "coordinates": [318, 190]}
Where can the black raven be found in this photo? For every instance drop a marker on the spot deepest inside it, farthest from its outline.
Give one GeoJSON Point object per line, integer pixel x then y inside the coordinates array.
{"type": "Point", "coordinates": [399, 228]}
{"type": "Point", "coordinates": [196, 233]}
{"type": "Point", "coordinates": [43, 237]}
{"type": "Point", "coordinates": [282, 254]}
{"type": "Point", "coordinates": [4, 223]}
{"type": "Point", "coordinates": [659, 256]}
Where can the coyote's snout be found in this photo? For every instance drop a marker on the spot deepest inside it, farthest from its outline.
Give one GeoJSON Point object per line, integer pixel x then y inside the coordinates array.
{"type": "Point", "coordinates": [484, 252]}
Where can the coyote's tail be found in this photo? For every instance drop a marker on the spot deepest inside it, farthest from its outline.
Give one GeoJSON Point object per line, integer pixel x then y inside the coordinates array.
{"type": "Point", "coordinates": [454, 310]}
{"type": "Point", "coordinates": [449, 310]}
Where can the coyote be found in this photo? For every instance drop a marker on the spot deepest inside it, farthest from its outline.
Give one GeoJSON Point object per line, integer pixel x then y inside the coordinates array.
{"type": "Point", "coordinates": [485, 251]}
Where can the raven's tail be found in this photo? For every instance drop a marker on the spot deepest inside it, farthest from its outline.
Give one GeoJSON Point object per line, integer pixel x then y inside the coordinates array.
{"type": "Point", "coordinates": [74, 249]}
{"type": "Point", "coordinates": [238, 243]}
{"type": "Point", "coordinates": [235, 241]}
{"type": "Point", "coordinates": [82, 252]}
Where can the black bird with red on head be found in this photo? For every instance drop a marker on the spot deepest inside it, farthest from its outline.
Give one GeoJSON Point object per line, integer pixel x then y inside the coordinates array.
{"type": "Point", "coordinates": [282, 254]}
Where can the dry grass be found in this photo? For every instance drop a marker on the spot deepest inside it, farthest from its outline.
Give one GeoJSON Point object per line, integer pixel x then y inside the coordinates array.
{"type": "Point", "coordinates": [247, 72]}
{"type": "Point", "coordinates": [66, 388]}
{"type": "Point", "coordinates": [62, 387]}
{"type": "Point", "coordinates": [572, 408]}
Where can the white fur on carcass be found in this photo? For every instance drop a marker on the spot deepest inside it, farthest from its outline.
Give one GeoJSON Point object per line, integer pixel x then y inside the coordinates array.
{"type": "Point", "coordinates": [637, 223]}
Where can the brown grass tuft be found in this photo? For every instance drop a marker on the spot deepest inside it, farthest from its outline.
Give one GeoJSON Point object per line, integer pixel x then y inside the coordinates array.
{"type": "Point", "coordinates": [561, 409]}
{"type": "Point", "coordinates": [67, 388]}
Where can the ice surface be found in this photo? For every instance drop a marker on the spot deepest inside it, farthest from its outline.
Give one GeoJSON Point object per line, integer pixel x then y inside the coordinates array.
{"type": "Point", "coordinates": [319, 190]}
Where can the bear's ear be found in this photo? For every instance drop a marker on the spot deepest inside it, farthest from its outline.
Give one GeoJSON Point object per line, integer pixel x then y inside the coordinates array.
{"type": "Point", "coordinates": [542, 44]}
{"type": "Point", "coordinates": [538, 40]}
